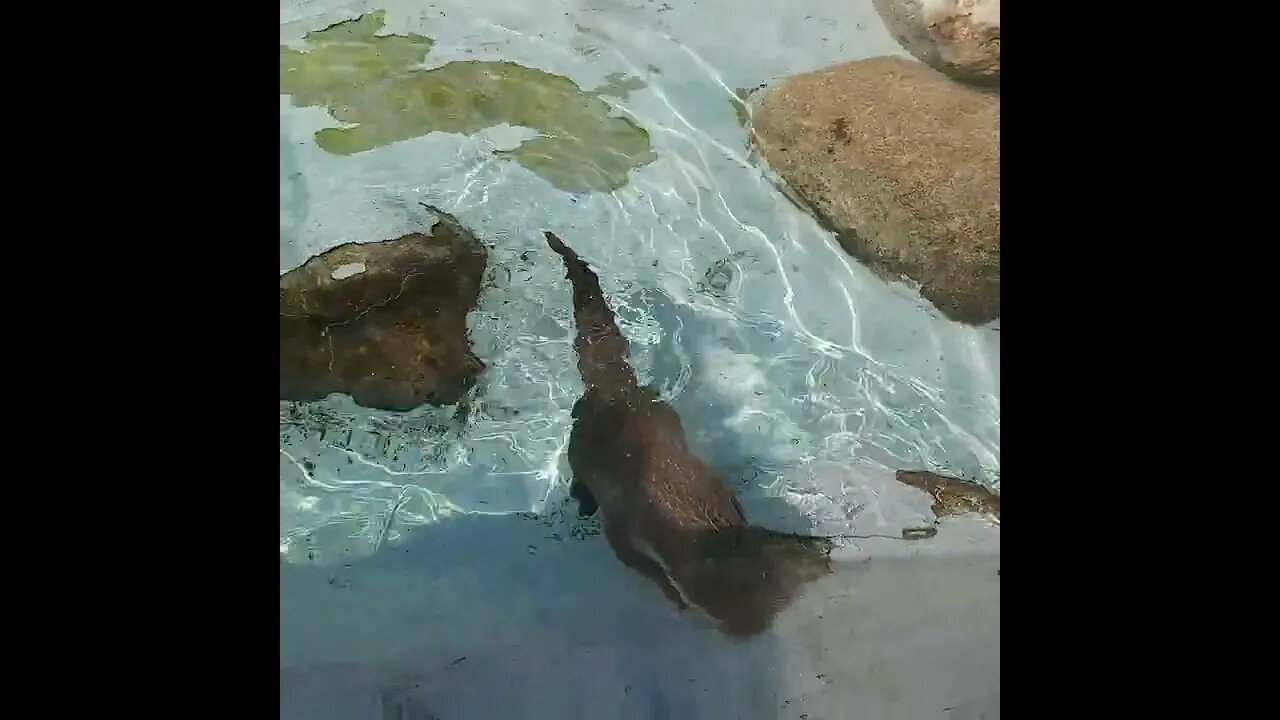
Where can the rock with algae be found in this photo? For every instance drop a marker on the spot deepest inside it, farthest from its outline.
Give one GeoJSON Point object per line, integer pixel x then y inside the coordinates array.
{"type": "Point", "coordinates": [953, 496]}
{"type": "Point", "coordinates": [376, 85]}
{"type": "Point", "coordinates": [383, 322]}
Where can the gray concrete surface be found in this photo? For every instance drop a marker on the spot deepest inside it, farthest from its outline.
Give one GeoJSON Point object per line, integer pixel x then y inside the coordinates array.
{"type": "Point", "coordinates": [493, 618]}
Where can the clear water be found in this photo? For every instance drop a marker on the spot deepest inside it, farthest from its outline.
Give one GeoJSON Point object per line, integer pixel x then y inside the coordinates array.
{"type": "Point", "coordinates": [800, 374]}
{"type": "Point", "coordinates": [429, 568]}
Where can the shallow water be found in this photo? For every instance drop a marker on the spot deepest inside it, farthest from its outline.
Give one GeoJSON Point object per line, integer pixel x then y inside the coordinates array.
{"type": "Point", "coordinates": [803, 376]}
{"type": "Point", "coordinates": [489, 617]}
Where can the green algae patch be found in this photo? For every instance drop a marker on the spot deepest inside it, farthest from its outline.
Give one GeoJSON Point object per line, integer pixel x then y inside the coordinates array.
{"type": "Point", "coordinates": [376, 87]}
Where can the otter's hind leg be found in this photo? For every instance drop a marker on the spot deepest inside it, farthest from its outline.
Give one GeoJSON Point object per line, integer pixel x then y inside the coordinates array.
{"type": "Point", "coordinates": [587, 504]}
{"type": "Point", "coordinates": [643, 564]}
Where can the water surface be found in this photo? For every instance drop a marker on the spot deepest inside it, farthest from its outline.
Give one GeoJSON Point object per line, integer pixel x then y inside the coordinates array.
{"type": "Point", "coordinates": [799, 373]}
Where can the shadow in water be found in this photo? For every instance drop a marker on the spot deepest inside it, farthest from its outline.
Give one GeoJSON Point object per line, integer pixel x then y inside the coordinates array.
{"type": "Point", "coordinates": [501, 616]}
{"type": "Point", "coordinates": [517, 616]}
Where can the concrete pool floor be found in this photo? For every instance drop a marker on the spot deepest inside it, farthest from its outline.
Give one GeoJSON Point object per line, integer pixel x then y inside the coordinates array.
{"type": "Point", "coordinates": [491, 617]}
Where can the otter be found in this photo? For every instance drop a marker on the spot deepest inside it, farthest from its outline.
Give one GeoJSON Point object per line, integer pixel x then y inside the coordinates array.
{"type": "Point", "coordinates": [664, 512]}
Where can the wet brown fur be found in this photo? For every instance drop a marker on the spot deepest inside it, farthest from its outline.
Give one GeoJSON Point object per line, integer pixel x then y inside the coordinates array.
{"type": "Point", "coordinates": [664, 512]}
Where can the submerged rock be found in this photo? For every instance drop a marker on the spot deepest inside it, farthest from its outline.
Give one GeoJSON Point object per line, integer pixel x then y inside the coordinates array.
{"type": "Point", "coordinates": [953, 496]}
{"type": "Point", "coordinates": [903, 165]}
{"type": "Point", "coordinates": [376, 86]}
{"type": "Point", "coordinates": [959, 37]}
{"type": "Point", "coordinates": [383, 322]}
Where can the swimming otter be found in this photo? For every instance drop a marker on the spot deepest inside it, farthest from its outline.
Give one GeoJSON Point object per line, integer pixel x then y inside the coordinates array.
{"type": "Point", "coordinates": [664, 512]}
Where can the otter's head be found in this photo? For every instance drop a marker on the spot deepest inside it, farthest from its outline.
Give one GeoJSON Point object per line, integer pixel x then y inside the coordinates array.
{"type": "Point", "coordinates": [743, 577]}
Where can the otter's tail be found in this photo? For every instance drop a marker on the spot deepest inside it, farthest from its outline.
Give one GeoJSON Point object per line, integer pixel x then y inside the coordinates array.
{"type": "Point", "coordinates": [602, 350]}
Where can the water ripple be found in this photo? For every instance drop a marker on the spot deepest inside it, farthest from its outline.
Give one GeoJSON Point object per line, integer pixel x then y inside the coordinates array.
{"type": "Point", "coordinates": [798, 373]}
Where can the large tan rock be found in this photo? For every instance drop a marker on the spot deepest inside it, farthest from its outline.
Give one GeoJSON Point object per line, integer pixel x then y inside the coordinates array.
{"type": "Point", "coordinates": [383, 322]}
{"type": "Point", "coordinates": [959, 37]}
{"type": "Point", "coordinates": [904, 165]}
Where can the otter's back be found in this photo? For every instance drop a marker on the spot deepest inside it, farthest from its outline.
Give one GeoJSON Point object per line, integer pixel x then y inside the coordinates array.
{"type": "Point", "coordinates": [641, 467]}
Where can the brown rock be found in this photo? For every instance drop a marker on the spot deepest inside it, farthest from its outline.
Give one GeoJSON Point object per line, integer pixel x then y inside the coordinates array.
{"type": "Point", "coordinates": [904, 165]}
{"type": "Point", "coordinates": [953, 496]}
{"type": "Point", "coordinates": [383, 322]}
{"type": "Point", "coordinates": [959, 37]}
